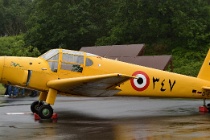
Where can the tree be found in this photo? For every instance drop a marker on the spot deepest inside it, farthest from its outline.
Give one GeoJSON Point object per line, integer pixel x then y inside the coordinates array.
{"type": "Point", "coordinates": [1, 17]}
{"type": "Point", "coordinates": [126, 24]}
{"type": "Point", "coordinates": [67, 24]}
{"type": "Point", "coordinates": [163, 23]}
{"type": "Point", "coordinates": [15, 46]}
{"type": "Point", "coordinates": [14, 14]}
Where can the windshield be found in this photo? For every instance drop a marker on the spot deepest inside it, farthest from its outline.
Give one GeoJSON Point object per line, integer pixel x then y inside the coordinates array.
{"type": "Point", "coordinates": [52, 57]}
{"type": "Point", "coordinates": [51, 53]}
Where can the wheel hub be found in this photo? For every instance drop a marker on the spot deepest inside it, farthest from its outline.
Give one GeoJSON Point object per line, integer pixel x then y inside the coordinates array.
{"type": "Point", "coordinates": [45, 112]}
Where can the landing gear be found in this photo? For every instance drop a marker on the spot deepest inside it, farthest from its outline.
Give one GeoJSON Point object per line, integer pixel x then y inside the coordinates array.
{"type": "Point", "coordinates": [44, 111]}
{"type": "Point", "coordinates": [206, 105]}
{"type": "Point", "coordinates": [36, 105]}
{"type": "Point", "coordinates": [205, 108]}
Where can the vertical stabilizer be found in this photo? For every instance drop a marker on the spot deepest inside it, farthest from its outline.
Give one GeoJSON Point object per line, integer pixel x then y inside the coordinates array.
{"type": "Point", "coordinates": [204, 72]}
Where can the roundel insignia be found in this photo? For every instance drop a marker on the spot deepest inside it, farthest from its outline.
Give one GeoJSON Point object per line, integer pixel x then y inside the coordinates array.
{"type": "Point", "coordinates": [141, 82]}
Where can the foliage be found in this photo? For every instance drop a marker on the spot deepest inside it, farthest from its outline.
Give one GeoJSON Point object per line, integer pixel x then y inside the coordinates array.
{"type": "Point", "coordinates": [2, 89]}
{"type": "Point", "coordinates": [13, 14]}
{"type": "Point", "coordinates": [187, 61]}
{"type": "Point", "coordinates": [168, 23]}
{"type": "Point", "coordinates": [15, 46]}
{"type": "Point", "coordinates": [67, 24]}
{"type": "Point", "coordinates": [165, 24]}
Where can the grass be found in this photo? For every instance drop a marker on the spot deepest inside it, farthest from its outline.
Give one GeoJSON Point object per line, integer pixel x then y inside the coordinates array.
{"type": "Point", "coordinates": [2, 89]}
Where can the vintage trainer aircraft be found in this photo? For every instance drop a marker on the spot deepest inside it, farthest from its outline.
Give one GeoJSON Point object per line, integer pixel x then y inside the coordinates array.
{"type": "Point", "coordinates": [61, 71]}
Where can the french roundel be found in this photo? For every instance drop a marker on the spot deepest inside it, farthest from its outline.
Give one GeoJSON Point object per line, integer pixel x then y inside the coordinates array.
{"type": "Point", "coordinates": [141, 82]}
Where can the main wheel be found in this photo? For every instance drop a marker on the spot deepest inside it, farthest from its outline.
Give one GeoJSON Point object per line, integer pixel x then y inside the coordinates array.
{"type": "Point", "coordinates": [35, 106]}
{"type": "Point", "coordinates": [45, 112]}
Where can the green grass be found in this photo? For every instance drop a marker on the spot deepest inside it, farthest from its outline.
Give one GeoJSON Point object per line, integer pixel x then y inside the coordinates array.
{"type": "Point", "coordinates": [2, 89]}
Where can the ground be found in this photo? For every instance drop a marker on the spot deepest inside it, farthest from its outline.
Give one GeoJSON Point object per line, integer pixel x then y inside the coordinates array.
{"type": "Point", "coordinates": [113, 118]}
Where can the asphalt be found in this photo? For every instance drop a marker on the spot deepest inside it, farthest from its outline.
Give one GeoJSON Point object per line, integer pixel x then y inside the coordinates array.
{"type": "Point", "coordinates": [107, 118]}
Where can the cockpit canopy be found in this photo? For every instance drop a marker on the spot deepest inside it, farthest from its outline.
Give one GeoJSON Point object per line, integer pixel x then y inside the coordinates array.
{"type": "Point", "coordinates": [70, 60]}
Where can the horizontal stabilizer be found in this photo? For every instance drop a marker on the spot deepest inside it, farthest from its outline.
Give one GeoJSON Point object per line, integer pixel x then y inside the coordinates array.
{"type": "Point", "coordinates": [206, 88]}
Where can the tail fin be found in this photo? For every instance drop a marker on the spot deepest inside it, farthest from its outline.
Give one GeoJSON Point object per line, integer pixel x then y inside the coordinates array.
{"type": "Point", "coordinates": [204, 72]}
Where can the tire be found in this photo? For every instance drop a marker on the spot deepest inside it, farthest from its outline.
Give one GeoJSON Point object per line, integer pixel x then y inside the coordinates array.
{"type": "Point", "coordinates": [45, 112]}
{"type": "Point", "coordinates": [35, 106]}
{"type": "Point", "coordinates": [208, 106]}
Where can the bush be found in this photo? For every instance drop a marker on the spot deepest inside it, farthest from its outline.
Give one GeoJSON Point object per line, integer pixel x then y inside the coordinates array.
{"type": "Point", "coordinates": [15, 46]}
{"type": "Point", "coordinates": [188, 62]}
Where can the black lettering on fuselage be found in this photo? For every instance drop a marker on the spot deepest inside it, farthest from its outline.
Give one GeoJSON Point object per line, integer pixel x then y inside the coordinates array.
{"type": "Point", "coordinates": [162, 84]}
{"type": "Point", "coordinates": [171, 84]}
{"type": "Point", "coordinates": [154, 81]}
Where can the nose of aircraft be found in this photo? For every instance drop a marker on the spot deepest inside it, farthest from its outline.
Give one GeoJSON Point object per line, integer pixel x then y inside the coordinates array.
{"type": "Point", "coordinates": [1, 66]}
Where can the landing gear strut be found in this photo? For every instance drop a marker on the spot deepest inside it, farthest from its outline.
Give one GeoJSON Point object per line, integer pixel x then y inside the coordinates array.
{"type": "Point", "coordinates": [204, 102]}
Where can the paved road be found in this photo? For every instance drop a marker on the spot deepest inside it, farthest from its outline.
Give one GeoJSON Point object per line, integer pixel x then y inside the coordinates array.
{"type": "Point", "coordinates": [112, 118]}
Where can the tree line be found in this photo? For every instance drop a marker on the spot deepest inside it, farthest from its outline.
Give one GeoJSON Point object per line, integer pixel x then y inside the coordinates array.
{"type": "Point", "coordinates": [163, 24]}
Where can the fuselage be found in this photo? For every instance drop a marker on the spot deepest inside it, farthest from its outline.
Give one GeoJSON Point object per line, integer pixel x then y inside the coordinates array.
{"type": "Point", "coordinates": [153, 83]}
{"type": "Point", "coordinates": [36, 72]}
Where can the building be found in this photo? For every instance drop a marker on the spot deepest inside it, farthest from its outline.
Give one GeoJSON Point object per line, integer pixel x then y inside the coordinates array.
{"type": "Point", "coordinates": [133, 53]}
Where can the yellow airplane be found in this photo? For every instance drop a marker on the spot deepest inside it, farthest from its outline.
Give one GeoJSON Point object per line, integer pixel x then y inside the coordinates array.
{"type": "Point", "coordinates": [61, 71]}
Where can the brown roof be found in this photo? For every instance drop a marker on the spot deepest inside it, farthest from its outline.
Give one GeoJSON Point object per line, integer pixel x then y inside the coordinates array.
{"type": "Point", "coordinates": [130, 54]}
{"type": "Point", "coordinates": [159, 62]}
{"type": "Point", "coordinates": [98, 50]}
{"type": "Point", "coordinates": [116, 50]}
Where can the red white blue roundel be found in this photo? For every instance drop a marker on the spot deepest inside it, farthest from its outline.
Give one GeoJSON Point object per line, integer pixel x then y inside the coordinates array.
{"type": "Point", "coordinates": [141, 82]}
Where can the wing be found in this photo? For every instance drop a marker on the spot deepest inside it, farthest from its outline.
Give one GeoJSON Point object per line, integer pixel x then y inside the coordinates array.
{"type": "Point", "coordinates": [97, 85]}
